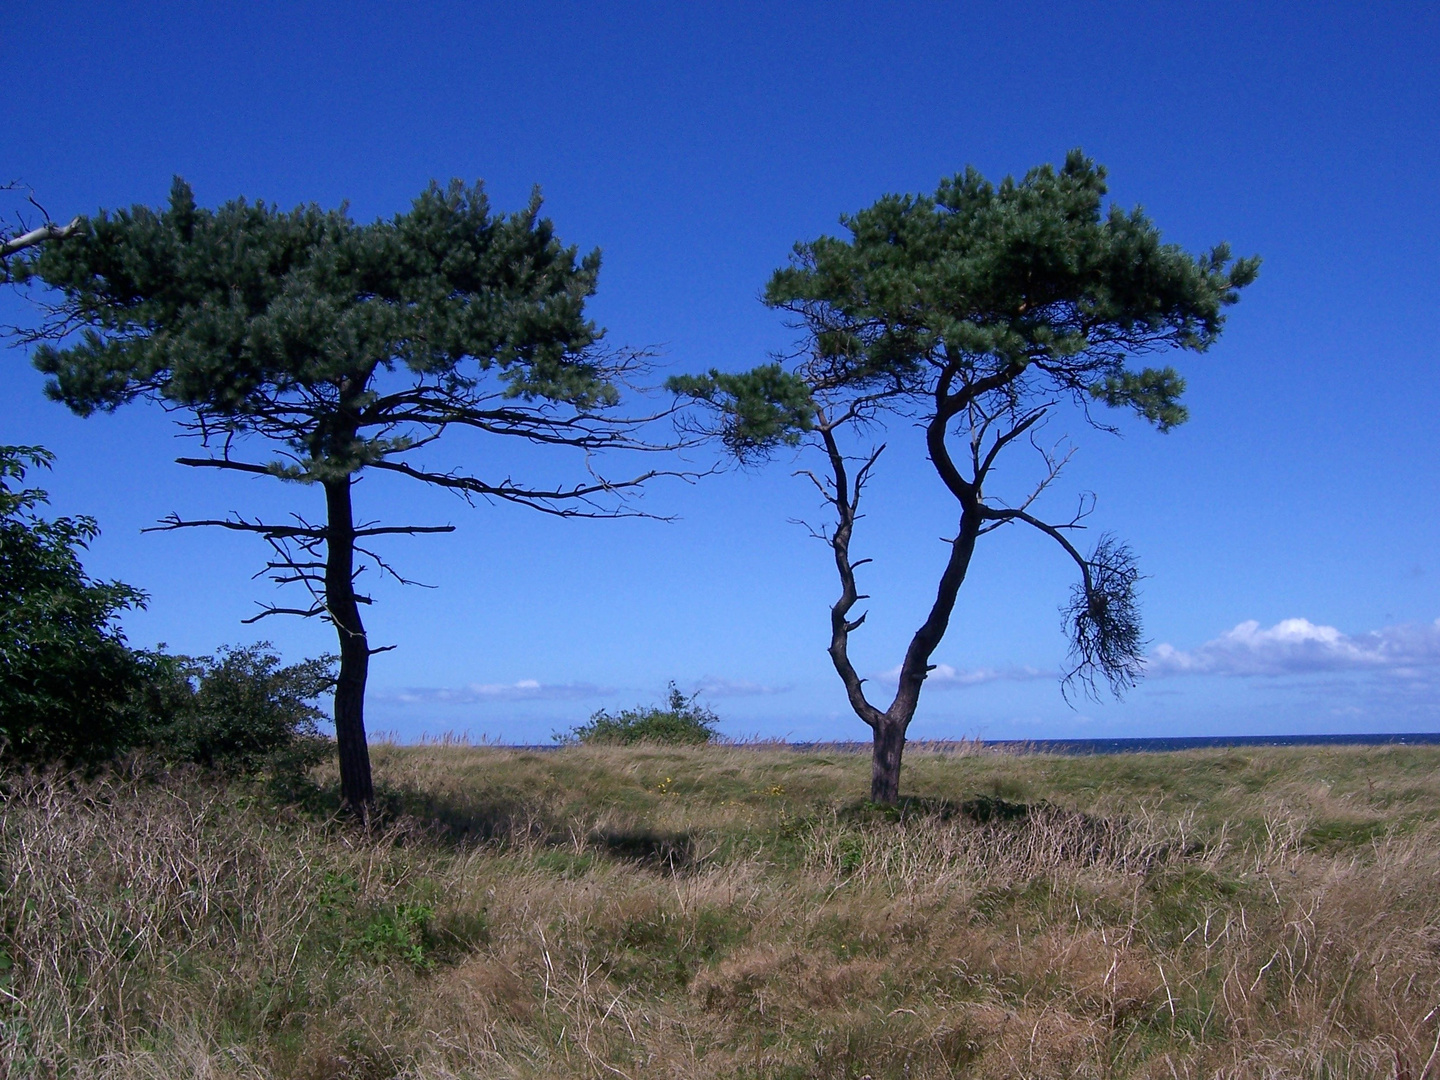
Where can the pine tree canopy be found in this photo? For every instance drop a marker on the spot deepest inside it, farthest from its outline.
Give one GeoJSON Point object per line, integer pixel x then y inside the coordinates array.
{"type": "Point", "coordinates": [280, 322]}
{"type": "Point", "coordinates": [983, 293]}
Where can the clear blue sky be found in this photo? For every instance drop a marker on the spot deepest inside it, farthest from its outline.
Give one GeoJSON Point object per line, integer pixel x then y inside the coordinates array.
{"type": "Point", "coordinates": [694, 144]}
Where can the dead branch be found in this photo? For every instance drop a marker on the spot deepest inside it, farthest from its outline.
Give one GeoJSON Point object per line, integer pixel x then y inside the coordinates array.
{"type": "Point", "coordinates": [37, 236]}
{"type": "Point", "coordinates": [541, 499]}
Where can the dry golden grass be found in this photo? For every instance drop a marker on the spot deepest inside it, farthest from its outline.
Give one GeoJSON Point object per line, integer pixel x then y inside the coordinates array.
{"type": "Point", "coordinates": [734, 912]}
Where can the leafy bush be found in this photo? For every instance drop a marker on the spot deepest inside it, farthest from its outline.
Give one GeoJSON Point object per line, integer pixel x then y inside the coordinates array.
{"type": "Point", "coordinates": [71, 689]}
{"type": "Point", "coordinates": [67, 677]}
{"type": "Point", "coordinates": [239, 711]}
{"type": "Point", "coordinates": [679, 721]}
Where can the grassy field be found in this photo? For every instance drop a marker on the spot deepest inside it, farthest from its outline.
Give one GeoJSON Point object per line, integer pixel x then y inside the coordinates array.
{"type": "Point", "coordinates": [734, 912]}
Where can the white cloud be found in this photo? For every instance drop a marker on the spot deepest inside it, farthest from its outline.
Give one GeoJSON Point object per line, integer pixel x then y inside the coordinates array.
{"type": "Point", "coordinates": [1298, 646]}
{"type": "Point", "coordinates": [535, 690]}
{"type": "Point", "coordinates": [716, 686]}
{"type": "Point", "coordinates": [945, 677]}
{"type": "Point", "coordinates": [477, 693]}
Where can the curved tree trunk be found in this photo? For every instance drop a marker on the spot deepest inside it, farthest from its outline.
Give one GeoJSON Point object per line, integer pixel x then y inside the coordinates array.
{"type": "Point", "coordinates": [356, 788]}
{"type": "Point", "coordinates": [890, 726]}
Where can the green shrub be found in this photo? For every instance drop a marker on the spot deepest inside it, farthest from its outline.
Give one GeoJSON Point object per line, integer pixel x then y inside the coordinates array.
{"type": "Point", "coordinates": [66, 675]}
{"type": "Point", "coordinates": [679, 721]}
{"type": "Point", "coordinates": [239, 711]}
{"type": "Point", "coordinates": [71, 688]}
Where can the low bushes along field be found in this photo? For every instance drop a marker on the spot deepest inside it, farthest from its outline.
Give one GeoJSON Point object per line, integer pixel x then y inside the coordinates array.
{"type": "Point", "coordinates": [604, 911]}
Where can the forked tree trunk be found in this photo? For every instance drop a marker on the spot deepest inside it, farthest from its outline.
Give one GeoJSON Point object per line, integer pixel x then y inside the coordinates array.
{"type": "Point", "coordinates": [885, 760]}
{"type": "Point", "coordinates": [356, 788]}
{"type": "Point", "coordinates": [889, 726]}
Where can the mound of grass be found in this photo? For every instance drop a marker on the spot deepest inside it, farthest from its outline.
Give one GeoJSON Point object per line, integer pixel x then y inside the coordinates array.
{"type": "Point", "coordinates": [680, 721]}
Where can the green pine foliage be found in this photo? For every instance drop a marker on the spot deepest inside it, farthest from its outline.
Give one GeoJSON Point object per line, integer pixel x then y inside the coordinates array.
{"type": "Point", "coordinates": [232, 310]}
{"type": "Point", "coordinates": [681, 720]}
{"type": "Point", "coordinates": [1024, 289]}
{"type": "Point", "coordinates": [766, 407]}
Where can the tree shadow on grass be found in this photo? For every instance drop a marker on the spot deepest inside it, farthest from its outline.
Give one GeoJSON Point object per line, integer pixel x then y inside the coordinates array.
{"type": "Point", "coordinates": [1065, 834]}
{"type": "Point", "coordinates": [672, 852]}
{"type": "Point", "coordinates": [506, 820]}
{"type": "Point", "coordinates": [464, 822]}
{"type": "Point", "coordinates": [981, 810]}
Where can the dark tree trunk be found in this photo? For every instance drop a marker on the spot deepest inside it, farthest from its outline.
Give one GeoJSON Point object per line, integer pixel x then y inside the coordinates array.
{"type": "Point", "coordinates": [356, 788]}
{"type": "Point", "coordinates": [890, 726]}
{"type": "Point", "coordinates": [885, 761]}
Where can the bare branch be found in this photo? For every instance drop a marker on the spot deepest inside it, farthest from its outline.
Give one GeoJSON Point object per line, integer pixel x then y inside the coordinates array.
{"type": "Point", "coordinates": [385, 568]}
{"type": "Point", "coordinates": [1102, 616]}
{"type": "Point", "coordinates": [291, 579]}
{"type": "Point", "coordinates": [173, 521]}
{"type": "Point", "coordinates": [540, 498]}
{"type": "Point", "coordinates": [304, 613]}
{"type": "Point", "coordinates": [1054, 465]}
{"type": "Point", "coordinates": [404, 530]}
{"type": "Point", "coordinates": [37, 236]}
{"type": "Point", "coordinates": [824, 487]}
{"type": "Point", "coordinates": [1052, 531]}
{"type": "Point", "coordinates": [1002, 441]}
{"type": "Point", "coordinates": [845, 497]}
{"type": "Point", "coordinates": [427, 407]}
{"type": "Point", "coordinates": [224, 463]}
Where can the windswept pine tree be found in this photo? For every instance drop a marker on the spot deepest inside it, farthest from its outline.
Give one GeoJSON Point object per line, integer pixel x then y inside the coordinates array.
{"type": "Point", "coordinates": [977, 311]}
{"type": "Point", "coordinates": [302, 346]}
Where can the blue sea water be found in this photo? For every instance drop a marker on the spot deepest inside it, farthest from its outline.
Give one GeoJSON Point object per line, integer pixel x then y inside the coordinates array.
{"type": "Point", "coordinates": [1110, 746]}
{"type": "Point", "coordinates": [1163, 745]}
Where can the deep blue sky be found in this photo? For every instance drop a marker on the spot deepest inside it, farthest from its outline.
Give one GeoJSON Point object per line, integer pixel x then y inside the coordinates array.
{"type": "Point", "coordinates": [695, 144]}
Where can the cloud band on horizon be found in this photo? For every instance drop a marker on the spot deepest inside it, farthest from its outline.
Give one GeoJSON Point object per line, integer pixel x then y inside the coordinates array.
{"type": "Point", "coordinates": [477, 693]}
{"type": "Point", "coordinates": [1300, 647]}
{"type": "Point", "coordinates": [1291, 647]}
